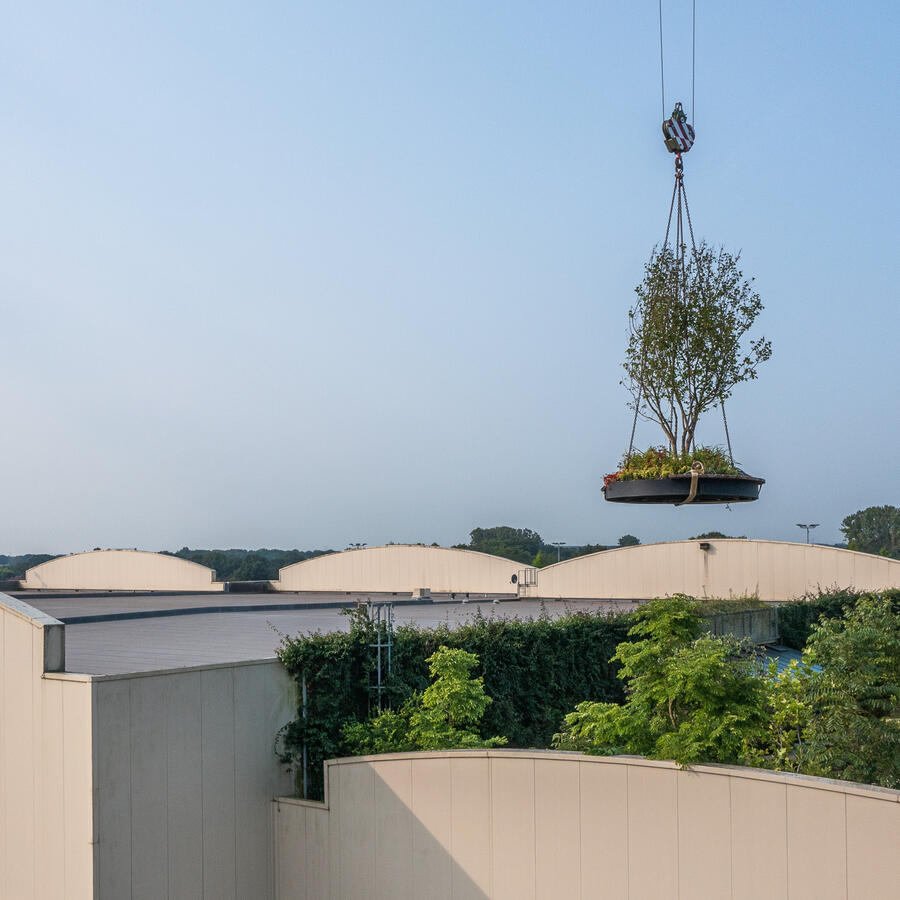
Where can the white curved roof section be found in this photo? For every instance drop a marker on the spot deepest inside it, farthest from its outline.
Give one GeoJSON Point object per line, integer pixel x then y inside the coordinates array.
{"type": "Point", "coordinates": [772, 570]}
{"type": "Point", "coordinates": [402, 568]}
{"type": "Point", "coordinates": [121, 570]}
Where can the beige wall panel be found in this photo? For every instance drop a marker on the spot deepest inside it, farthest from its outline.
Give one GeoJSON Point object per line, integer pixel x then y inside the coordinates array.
{"type": "Point", "coordinates": [335, 845]}
{"type": "Point", "coordinates": [759, 826]}
{"type": "Point", "coordinates": [50, 879]}
{"type": "Point", "coordinates": [431, 798]}
{"type": "Point", "coordinates": [18, 769]}
{"type": "Point", "coordinates": [35, 741]}
{"type": "Point", "coordinates": [46, 823]}
{"type": "Point", "coordinates": [604, 839]}
{"type": "Point", "coordinates": [817, 844]}
{"type": "Point", "coordinates": [470, 827]}
{"type": "Point", "coordinates": [317, 861]}
{"type": "Point", "coordinates": [778, 571]}
{"type": "Point", "coordinates": [5, 674]}
{"type": "Point", "coordinates": [401, 568]}
{"type": "Point", "coordinates": [704, 835]}
{"type": "Point", "coordinates": [512, 824]}
{"type": "Point", "coordinates": [292, 851]}
{"type": "Point", "coordinates": [557, 802]}
{"type": "Point", "coordinates": [184, 785]}
{"type": "Point", "coordinates": [707, 832]}
{"type": "Point", "coordinates": [873, 848]}
{"type": "Point", "coordinates": [357, 834]}
{"type": "Point", "coordinates": [652, 834]}
{"type": "Point", "coordinates": [149, 793]}
{"type": "Point", "coordinates": [393, 830]}
{"type": "Point", "coordinates": [120, 570]}
{"type": "Point", "coordinates": [114, 813]}
{"type": "Point", "coordinates": [217, 714]}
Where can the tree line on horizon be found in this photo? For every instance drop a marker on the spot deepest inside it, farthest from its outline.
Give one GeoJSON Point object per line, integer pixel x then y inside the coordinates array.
{"type": "Point", "coordinates": [875, 529]}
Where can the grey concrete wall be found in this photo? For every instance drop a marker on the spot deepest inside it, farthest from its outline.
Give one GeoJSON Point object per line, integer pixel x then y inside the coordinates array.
{"type": "Point", "coordinates": [120, 570]}
{"type": "Point", "coordinates": [402, 568]}
{"type": "Point", "coordinates": [773, 570]}
{"type": "Point", "coordinates": [47, 837]}
{"type": "Point", "coordinates": [514, 825]}
{"type": "Point", "coordinates": [186, 773]}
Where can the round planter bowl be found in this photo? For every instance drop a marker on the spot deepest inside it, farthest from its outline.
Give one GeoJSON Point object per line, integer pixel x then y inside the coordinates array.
{"type": "Point", "coordinates": [675, 489]}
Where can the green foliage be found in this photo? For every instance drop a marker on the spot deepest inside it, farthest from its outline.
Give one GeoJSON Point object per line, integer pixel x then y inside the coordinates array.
{"type": "Point", "coordinates": [781, 743]}
{"type": "Point", "coordinates": [14, 567]}
{"type": "Point", "coordinates": [534, 671]}
{"type": "Point", "coordinates": [247, 565]}
{"type": "Point", "coordinates": [628, 540]}
{"type": "Point", "coordinates": [837, 714]}
{"type": "Point", "coordinates": [875, 529]}
{"type": "Point", "coordinates": [797, 618]}
{"type": "Point", "coordinates": [520, 544]}
{"type": "Point", "coordinates": [445, 717]}
{"type": "Point", "coordinates": [717, 535]}
{"type": "Point", "coordinates": [540, 560]}
{"type": "Point", "coordinates": [855, 729]}
{"type": "Point", "coordinates": [687, 344]}
{"type": "Point", "coordinates": [710, 606]}
{"type": "Point", "coordinates": [691, 697]}
{"type": "Point", "coordinates": [658, 462]}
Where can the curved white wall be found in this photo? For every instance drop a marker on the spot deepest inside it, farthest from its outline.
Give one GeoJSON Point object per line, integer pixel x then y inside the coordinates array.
{"type": "Point", "coordinates": [772, 569]}
{"type": "Point", "coordinates": [509, 825]}
{"type": "Point", "coordinates": [402, 568]}
{"type": "Point", "coordinates": [120, 570]}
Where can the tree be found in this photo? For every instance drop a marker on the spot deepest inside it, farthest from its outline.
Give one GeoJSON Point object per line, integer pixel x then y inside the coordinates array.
{"type": "Point", "coordinates": [628, 540]}
{"type": "Point", "coordinates": [445, 717]}
{"type": "Point", "coordinates": [539, 560]}
{"type": "Point", "coordinates": [713, 535]}
{"type": "Point", "coordinates": [855, 697]}
{"type": "Point", "coordinates": [691, 697]}
{"type": "Point", "coordinates": [686, 351]}
{"type": "Point", "coordinates": [875, 529]}
{"type": "Point", "coordinates": [520, 544]}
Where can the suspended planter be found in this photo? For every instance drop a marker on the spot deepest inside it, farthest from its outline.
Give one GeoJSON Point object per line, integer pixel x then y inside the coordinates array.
{"type": "Point", "coordinates": [687, 350]}
{"type": "Point", "coordinates": [705, 476]}
{"type": "Point", "coordinates": [677, 489]}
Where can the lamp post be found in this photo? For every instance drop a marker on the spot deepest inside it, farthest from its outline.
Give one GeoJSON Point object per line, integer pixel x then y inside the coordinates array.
{"type": "Point", "coordinates": [808, 528]}
{"type": "Point", "coordinates": [558, 544]}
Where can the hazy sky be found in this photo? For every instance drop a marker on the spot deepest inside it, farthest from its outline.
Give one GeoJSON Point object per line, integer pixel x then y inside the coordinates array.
{"type": "Point", "coordinates": [299, 274]}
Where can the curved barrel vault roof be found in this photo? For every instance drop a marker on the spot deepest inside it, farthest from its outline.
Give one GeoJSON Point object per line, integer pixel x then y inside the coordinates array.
{"type": "Point", "coordinates": [121, 570]}
{"type": "Point", "coordinates": [402, 568]}
{"type": "Point", "coordinates": [773, 570]}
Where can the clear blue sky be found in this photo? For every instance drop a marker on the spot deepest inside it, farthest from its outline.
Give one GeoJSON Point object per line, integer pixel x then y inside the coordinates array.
{"type": "Point", "coordinates": [299, 274]}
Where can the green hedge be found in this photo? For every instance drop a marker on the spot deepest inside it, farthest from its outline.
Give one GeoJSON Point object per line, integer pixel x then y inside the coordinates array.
{"type": "Point", "coordinates": [796, 619]}
{"type": "Point", "coordinates": [536, 671]}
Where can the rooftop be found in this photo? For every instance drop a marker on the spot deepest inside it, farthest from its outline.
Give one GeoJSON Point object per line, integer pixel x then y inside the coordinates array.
{"type": "Point", "coordinates": [113, 634]}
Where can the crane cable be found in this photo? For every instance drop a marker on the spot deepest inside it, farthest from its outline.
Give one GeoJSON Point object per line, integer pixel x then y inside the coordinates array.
{"type": "Point", "coordinates": [662, 68]}
{"type": "Point", "coordinates": [681, 195]}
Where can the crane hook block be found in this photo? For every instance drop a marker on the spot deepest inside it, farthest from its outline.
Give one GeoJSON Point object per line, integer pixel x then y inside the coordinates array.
{"type": "Point", "coordinates": [678, 135]}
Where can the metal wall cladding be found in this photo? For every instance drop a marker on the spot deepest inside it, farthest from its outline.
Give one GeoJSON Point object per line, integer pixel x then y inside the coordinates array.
{"type": "Point", "coordinates": [514, 824]}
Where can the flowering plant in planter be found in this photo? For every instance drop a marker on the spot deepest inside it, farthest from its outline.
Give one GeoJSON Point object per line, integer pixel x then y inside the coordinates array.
{"type": "Point", "coordinates": [658, 462]}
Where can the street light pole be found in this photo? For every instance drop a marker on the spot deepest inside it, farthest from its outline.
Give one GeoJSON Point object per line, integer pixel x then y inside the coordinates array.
{"type": "Point", "coordinates": [558, 544]}
{"type": "Point", "coordinates": [808, 528]}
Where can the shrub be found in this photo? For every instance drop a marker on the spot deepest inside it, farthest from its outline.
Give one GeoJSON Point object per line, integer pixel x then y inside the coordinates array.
{"type": "Point", "coordinates": [534, 671]}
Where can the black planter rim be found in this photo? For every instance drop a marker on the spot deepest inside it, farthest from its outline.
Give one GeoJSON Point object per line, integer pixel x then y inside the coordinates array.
{"type": "Point", "coordinates": [675, 489]}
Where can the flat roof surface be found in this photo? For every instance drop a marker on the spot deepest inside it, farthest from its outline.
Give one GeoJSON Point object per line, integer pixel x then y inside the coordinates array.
{"type": "Point", "coordinates": [165, 631]}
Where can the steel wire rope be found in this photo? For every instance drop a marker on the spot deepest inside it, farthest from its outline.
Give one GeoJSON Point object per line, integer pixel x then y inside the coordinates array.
{"type": "Point", "coordinates": [637, 404]}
